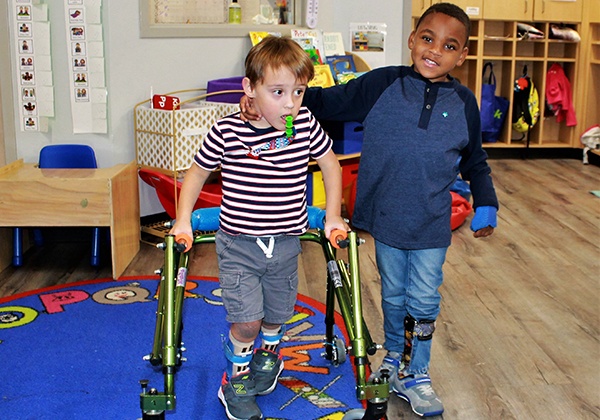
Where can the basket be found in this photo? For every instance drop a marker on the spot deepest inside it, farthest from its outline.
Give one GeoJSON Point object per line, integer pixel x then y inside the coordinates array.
{"type": "Point", "coordinates": [169, 139]}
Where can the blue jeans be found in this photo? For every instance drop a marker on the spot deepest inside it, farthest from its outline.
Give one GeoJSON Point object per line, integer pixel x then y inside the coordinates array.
{"type": "Point", "coordinates": [410, 280]}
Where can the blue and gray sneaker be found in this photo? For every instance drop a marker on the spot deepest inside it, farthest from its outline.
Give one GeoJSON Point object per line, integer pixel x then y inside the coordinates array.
{"type": "Point", "coordinates": [266, 366]}
{"type": "Point", "coordinates": [417, 390]}
{"type": "Point", "coordinates": [238, 395]}
{"type": "Point", "coordinates": [391, 363]}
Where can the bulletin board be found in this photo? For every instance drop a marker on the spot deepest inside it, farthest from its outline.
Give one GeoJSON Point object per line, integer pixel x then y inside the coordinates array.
{"type": "Point", "coordinates": [206, 18]}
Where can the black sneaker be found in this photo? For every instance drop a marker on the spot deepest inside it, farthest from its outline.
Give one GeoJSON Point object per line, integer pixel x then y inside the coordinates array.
{"type": "Point", "coordinates": [266, 367]}
{"type": "Point", "coordinates": [238, 395]}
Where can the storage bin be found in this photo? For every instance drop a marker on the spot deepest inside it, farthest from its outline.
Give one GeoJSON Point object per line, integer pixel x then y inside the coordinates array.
{"type": "Point", "coordinates": [315, 189]}
{"type": "Point", "coordinates": [338, 130]}
{"type": "Point", "coordinates": [347, 147]}
{"type": "Point", "coordinates": [347, 136]}
{"type": "Point", "coordinates": [170, 139]}
{"type": "Point", "coordinates": [220, 90]}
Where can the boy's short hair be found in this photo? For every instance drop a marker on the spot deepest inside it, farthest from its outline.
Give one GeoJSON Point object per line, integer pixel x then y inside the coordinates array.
{"type": "Point", "coordinates": [451, 10]}
{"type": "Point", "coordinates": [276, 52]}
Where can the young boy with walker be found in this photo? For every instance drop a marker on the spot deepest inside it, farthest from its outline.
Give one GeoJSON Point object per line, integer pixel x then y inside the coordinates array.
{"type": "Point", "coordinates": [264, 167]}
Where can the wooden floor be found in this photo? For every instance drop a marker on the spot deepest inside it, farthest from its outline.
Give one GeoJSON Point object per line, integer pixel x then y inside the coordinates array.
{"type": "Point", "coordinates": [518, 335]}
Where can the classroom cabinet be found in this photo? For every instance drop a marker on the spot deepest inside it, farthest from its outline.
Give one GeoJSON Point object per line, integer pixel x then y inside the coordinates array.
{"type": "Point", "coordinates": [473, 7]}
{"type": "Point", "coordinates": [527, 10]}
{"type": "Point", "coordinates": [495, 38]}
{"type": "Point", "coordinates": [589, 70]}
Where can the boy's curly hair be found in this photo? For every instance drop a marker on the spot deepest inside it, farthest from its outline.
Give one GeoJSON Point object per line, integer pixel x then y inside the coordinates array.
{"type": "Point", "coordinates": [276, 52]}
{"type": "Point", "coordinates": [451, 10]}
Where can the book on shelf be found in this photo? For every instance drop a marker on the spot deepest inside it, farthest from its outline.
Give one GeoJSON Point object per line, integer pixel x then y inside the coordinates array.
{"type": "Point", "coordinates": [341, 65]}
{"type": "Point", "coordinates": [257, 36]}
{"type": "Point", "coordinates": [323, 76]}
{"type": "Point", "coordinates": [314, 36]}
{"type": "Point", "coordinates": [333, 43]}
{"type": "Point", "coordinates": [315, 57]}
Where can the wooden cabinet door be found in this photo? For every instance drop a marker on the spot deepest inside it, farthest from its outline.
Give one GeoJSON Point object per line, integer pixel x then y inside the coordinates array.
{"type": "Point", "coordinates": [419, 6]}
{"type": "Point", "coordinates": [594, 14]}
{"type": "Point", "coordinates": [474, 8]}
{"type": "Point", "coordinates": [508, 9]}
{"type": "Point", "coordinates": [562, 11]}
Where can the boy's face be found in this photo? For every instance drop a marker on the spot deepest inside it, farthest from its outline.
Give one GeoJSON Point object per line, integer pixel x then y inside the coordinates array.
{"type": "Point", "coordinates": [278, 95]}
{"type": "Point", "coordinates": [437, 46]}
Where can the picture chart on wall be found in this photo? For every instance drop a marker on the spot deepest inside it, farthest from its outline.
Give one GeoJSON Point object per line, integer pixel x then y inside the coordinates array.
{"type": "Point", "coordinates": [85, 46]}
{"type": "Point", "coordinates": [31, 51]}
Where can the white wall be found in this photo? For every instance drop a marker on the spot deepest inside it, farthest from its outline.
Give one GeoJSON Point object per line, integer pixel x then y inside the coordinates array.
{"type": "Point", "coordinates": [133, 64]}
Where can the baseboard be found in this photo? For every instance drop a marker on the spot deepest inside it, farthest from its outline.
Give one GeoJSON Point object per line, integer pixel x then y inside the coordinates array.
{"type": "Point", "coordinates": [541, 153]}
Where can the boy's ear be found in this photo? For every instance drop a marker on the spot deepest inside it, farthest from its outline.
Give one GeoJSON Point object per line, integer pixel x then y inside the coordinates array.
{"type": "Point", "coordinates": [463, 56]}
{"type": "Point", "coordinates": [411, 40]}
{"type": "Point", "coordinates": [247, 86]}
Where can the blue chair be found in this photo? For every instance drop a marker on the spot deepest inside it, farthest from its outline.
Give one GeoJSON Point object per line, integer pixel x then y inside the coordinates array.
{"type": "Point", "coordinates": [75, 156]}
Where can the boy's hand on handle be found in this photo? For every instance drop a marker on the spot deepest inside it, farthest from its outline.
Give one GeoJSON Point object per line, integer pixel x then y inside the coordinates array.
{"type": "Point", "coordinates": [484, 221]}
{"type": "Point", "coordinates": [185, 240]}
{"type": "Point", "coordinates": [247, 112]}
{"type": "Point", "coordinates": [183, 234]}
{"type": "Point", "coordinates": [335, 227]}
{"type": "Point", "coordinates": [335, 222]}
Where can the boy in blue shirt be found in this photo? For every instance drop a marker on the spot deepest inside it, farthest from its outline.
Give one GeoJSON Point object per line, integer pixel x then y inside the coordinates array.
{"type": "Point", "coordinates": [418, 121]}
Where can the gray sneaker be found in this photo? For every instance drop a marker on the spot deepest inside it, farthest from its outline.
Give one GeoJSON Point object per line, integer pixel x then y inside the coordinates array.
{"type": "Point", "coordinates": [417, 390]}
{"type": "Point", "coordinates": [266, 367]}
{"type": "Point", "coordinates": [391, 363]}
{"type": "Point", "coordinates": [238, 395]}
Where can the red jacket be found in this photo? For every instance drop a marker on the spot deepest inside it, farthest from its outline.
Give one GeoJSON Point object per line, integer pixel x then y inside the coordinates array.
{"type": "Point", "coordinates": [559, 96]}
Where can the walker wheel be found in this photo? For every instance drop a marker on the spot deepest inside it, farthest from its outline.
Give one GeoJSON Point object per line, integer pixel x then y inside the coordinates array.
{"type": "Point", "coordinates": [339, 351]}
{"type": "Point", "coordinates": [355, 414]}
{"type": "Point", "coordinates": [154, 416]}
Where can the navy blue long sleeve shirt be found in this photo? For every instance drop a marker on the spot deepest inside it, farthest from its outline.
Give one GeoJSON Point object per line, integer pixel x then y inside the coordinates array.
{"type": "Point", "coordinates": [414, 132]}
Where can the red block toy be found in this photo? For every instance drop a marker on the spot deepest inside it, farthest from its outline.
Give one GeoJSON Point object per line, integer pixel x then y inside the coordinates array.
{"type": "Point", "coordinates": [165, 102]}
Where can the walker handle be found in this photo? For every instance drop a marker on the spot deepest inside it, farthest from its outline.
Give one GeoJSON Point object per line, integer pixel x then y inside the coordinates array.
{"type": "Point", "coordinates": [183, 240]}
{"type": "Point", "coordinates": [336, 237]}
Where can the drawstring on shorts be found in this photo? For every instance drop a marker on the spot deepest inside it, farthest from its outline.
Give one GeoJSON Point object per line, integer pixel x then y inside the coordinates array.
{"type": "Point", "coordinates": [268, 250]}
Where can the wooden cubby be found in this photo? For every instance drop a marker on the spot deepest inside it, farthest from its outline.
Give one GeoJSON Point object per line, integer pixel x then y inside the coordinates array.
{"type": "Point", "coordinates": [589, 71]}
{"type": "Point", "coordinates": [494, 38]}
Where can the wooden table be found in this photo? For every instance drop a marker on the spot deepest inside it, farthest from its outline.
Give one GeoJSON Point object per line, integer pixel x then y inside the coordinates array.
{"type": "Point", "coordinates": [30, 197]}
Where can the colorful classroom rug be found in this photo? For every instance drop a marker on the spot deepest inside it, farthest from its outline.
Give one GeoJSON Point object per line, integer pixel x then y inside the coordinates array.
{"type": "Point", "coordinates": [75, 352]}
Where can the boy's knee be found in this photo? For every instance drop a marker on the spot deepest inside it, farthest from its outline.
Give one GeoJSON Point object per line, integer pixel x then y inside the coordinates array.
{"type": "Point", "coordinates": [246, 331]}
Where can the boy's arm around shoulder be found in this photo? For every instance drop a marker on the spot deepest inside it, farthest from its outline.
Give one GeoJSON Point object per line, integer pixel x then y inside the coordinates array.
{"type": "Point", "coordinates": [353, 100]}
{"type": "Point", "coordinates": [332, 179]}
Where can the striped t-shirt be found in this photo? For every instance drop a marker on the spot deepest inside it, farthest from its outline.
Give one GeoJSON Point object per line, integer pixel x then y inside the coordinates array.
{"type": "Point", "coordinates": [263, 173]}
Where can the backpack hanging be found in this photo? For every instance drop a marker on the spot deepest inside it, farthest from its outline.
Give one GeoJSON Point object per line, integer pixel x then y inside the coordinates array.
{"type": "Point", "coordinates": [493, 108]}
{"type": "Point", "coordinates": [526, 108]}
